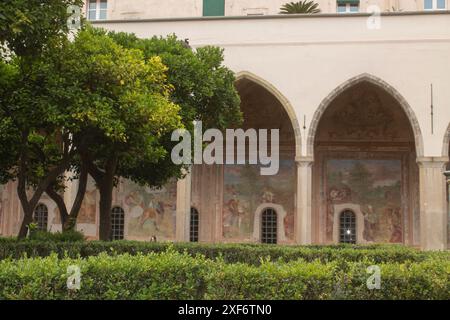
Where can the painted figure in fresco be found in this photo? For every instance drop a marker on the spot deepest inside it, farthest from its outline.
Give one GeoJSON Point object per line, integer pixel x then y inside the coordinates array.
{"type": "Point", "coordinates": [339, 195]}
{"type": "Point", "coordinates": [88, 207]}
{"type": "Point", "coordinates": [268, 196]}
{"type": "Point", "coordinates": [397, 234]}
{"type": "Point", "coordinates": [237, 212]}
{"type": "Point", "coordinates": [152, 211]}
{"type": "Point", "coordinates": [139, 210]}
{"type": "Point", "coordinates": [369, 224]}
{"type": "Point", "coordinates": [289, 225]}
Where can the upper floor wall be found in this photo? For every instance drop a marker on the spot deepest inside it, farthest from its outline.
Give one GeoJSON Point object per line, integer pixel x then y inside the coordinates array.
{"type": "Point", "coordinates": [156, 9]}
{"type": "Point", "coordinates": [306, 58]}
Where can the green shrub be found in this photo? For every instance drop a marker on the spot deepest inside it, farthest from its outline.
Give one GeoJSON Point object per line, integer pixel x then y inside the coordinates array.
{"type": "Point", "coordinates": [165, 276]}
{"type": "Point", "coordinates": [172, 275]}
{"type": "Point", "coordinates": [231, 253]}
{"type": "Point", "coordinates": [66, 236]}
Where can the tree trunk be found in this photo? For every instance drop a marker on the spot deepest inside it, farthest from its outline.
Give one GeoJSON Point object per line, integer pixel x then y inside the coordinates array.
{"type": "Point", "coordinates": [69, 221]}
{"type": "Point", "coordinates": [29, 205]}
{"type": "Point", "coordinates": [64, 215]}
{"type": "Point", "coordinates": [105, 184]}
{"type": "Point", "coordinates": [105, 189]}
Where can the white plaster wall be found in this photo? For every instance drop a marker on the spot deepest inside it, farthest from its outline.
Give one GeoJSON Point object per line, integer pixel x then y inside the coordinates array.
{"type": "Point", "coordinates": [150, 9]}
{"type": "Point", "coordinates": [308, 57]}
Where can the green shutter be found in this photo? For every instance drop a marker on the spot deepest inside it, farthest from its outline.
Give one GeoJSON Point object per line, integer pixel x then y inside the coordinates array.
{"type": "Point", "coordinates": [213, 8]}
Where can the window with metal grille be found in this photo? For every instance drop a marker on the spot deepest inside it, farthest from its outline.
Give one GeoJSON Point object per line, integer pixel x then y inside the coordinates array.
{"type": "Point", "coordinates": [347, 230]}
{"type": "Point", "coordinates": [193, 228]}
{"type": "Point", "coordinates": [117, 223]}
{"type": "Point", "coordinates": [269, 226]}
{"type": "Point", "coordinates": [41, 217]}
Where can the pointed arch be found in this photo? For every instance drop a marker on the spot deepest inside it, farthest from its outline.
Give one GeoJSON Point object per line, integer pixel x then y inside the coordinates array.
{"type": "Point", "coordinates": [446, 145]}
{"type": "Point", "coordinates": [287, 106]}
{"type": "Point", "coordinates": [365, 77]}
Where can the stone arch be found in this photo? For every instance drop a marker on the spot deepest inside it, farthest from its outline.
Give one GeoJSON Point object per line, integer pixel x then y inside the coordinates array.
{"type": "Point", "coordinates": [283, 101]}
{"type": "Point", "coordinates": [365, 77]}
{"type": "Point", "coordinates": [281, 214]}
{"type": "Point", "coordinates": [356, 209]}
{"type": "Point", "coordinates": [446, 144]}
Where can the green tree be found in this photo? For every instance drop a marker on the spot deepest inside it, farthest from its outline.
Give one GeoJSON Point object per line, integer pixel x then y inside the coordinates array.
{"type": "Point", "coordinates": [305, 6]}
{"type": "Point", "coordinates": [35, 148]}
{"type": "Point", "coordinates": [201, 86]}
{"type": "Point", "coordinates": [33, 133]}
{"type": "Point", "coordinates": [122, 103]}
{"type": "Point", "coordinates": [28, 28]}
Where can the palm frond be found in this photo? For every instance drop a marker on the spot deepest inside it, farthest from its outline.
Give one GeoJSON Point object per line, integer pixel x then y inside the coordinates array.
{"type": "Point", "coordinates": [305, 6]}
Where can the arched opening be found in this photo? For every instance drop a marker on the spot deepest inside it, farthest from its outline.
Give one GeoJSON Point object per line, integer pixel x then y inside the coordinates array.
{"type": "Point", "coordinates": [269, 226]}
{"type": "Point", "coordinates": [41, 217]}
{"type": "Point", "coordinates": [365, 156]}
{"type": "Point", "coordinates": [194, 225]}
{"type": "Point", "coordinates": [117, 223]}
{"type": "Point", "coordinates": [245, 189]}
{"type": "Point", "coordinates": [347, 227]}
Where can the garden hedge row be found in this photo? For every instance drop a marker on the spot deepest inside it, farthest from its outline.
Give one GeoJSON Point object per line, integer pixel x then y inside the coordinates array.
{"type": "Point", "coordinates": [171, 275]}
{"type": "Point", "coordinates": [231, 253]}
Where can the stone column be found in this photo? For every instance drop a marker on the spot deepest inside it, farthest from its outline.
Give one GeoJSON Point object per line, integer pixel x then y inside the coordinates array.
{"type": "Point", "coordinates": [433, 203]}
{"type": "Point", "coordinates": [303, 219]}
{"type": "Point", "coordinates": [183, 208]}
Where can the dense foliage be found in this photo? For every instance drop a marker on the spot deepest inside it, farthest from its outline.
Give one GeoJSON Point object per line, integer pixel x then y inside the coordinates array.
{"type": "Point", "coordinates": [92, 102]}
{"type": "Point", "coordinates": [172, 275]}
{"type": "Point", "coordinates": [231, 253]}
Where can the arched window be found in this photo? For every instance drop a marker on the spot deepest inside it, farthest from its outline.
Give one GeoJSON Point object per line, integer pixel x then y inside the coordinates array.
{"type": "Point", "coordinates": [41, 217]}
{"type": "Point", "coordinates": [269, 226]}
{"type": "Point", "coordinates": [347, 230]}
{"type": "Point", "coordinates": [193, 227]}
{"type": "Point", "coordinates": [117, 223]}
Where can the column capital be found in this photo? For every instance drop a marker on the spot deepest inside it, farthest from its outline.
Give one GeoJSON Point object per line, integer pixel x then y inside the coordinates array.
{"type": "Point", "coordinates": [304, 161]}
{"type": "Point", "coordinates": [432, 162]}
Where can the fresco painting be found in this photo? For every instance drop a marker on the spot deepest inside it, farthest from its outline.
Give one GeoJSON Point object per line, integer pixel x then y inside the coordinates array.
{"type": "Point", "coordinates": [245, 189]}
{"type": "Point", "coordinates": [87, 214]}
{"type": "Point", "coordinates": [374, 185]}
{"type": "Point", "coordinates": [152, 212]}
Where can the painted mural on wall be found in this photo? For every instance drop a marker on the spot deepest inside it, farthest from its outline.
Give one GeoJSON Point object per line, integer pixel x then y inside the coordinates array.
{"type": "Point", "coordinates": [245, 190]}
{"type": "Point", "coordinates": [87, 214]}
{"type": "Point", "coordinates": [374, 185]}
{"type": "Point", "coordinates": [152, 212]}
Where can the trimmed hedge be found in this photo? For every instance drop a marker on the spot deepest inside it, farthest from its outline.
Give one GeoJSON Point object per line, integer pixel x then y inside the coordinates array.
{"type": "Point", "coordinates": [171, 275]}
{"type": "Point", "coordinates": [230, 253]}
